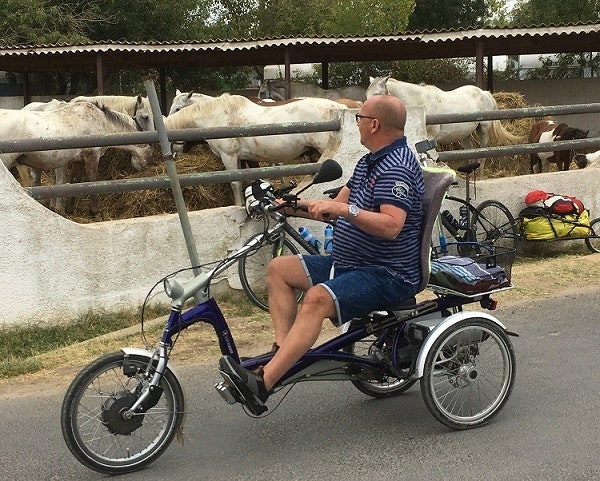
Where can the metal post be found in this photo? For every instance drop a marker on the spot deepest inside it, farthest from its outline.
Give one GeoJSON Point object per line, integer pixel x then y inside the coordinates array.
{"type": "Point", "coordinates": [165, 146]}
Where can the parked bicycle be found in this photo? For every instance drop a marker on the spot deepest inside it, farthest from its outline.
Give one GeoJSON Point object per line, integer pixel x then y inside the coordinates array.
{"type": "Point", "coordinates": [275, 240]}
{"type": "Point", "coordinates": [490, 222]}
{"type": "Point", "coordinates": [124, 409]}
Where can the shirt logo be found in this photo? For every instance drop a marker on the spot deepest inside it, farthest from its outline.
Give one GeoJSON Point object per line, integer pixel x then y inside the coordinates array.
{"type": "Point", "coordinates": [400, 190]}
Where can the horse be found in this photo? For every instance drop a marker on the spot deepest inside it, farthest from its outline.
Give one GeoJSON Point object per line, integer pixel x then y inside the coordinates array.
{"type": "Point", "coordinates": [42, 106]}
{"type": "Point", "coordinates": [550, 131]}
{"type": "Point", "coordinates": [137, 107]}
{"type": "Point", "coordinates": [275, 89]}
{"type": "Point", "coordinates": [236, 110]}
{"type": "Point", "coordinates": [184, 99]}
{"type": "Point", "coordinates": [465, 99]}
{"type": "Point", "coordinates": [74, 119]}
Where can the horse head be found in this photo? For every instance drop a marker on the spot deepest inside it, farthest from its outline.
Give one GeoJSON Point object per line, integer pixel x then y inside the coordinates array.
{"type": "Point", "coordinates": [142, 156]}
{"type": "Point", "coordinates": [378, 86]}
{"type": "Point", "coordinates": [142, 114]}
{"type": "Point", "coordinates": [581, 160]}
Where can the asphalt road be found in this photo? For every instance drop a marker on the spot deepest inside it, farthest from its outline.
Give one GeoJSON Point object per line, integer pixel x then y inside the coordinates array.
{"type": "Point", "coordinates": [549, 430]}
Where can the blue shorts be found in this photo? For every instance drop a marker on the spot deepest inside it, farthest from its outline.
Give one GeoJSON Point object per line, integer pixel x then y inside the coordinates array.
{"type": "Point", "coordinates": [356, 291]}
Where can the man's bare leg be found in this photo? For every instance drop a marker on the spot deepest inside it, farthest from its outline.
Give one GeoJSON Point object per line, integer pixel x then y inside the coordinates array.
{"type": "Point", "coordinates": [316, 306]}
{"type": "Point", "coordinates": [285, 274]}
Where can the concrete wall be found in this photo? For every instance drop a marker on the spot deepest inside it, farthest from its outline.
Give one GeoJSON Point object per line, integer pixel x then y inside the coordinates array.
{"type": "Point", "coordinates": [54, 269]}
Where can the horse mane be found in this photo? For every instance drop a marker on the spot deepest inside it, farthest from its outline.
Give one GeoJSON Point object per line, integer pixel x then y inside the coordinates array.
{"type": "Point", "coordinates": [113, 116]}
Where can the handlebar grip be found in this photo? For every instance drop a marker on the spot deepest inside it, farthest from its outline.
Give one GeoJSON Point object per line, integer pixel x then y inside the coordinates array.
{"type": "Point", "coordinates": [302, 207]}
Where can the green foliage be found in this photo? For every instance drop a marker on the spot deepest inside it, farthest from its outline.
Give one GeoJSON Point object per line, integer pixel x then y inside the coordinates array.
{"type": "Point", "coordinates": [554, 12]}
{"type": "Point", "coordinates": [451, 14]}
{"type": "Point", "coordinates": [414, 71]}
{"type": "Point", "coordinates": [568, 65]}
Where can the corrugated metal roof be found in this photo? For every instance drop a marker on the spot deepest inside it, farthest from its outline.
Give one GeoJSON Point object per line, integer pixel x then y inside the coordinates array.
{"type": "Point", "coordinates": [437, 44]}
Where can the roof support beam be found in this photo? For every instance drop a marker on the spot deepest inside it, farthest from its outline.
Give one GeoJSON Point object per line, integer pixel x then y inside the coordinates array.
{"type": "Point", "coordinates": [479, 64]}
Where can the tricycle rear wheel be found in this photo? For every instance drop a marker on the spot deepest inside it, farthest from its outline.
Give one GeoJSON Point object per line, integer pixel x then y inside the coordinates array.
{"type": "Point", "coordinates": [469, 373]}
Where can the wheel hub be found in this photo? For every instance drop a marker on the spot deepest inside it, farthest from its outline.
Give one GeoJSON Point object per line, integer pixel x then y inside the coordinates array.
{"type": "Point", "coordinates": [112, 413]}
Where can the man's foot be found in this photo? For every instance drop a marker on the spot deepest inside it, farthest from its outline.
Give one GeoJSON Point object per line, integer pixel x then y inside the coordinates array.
{"type": "Point", "coordinates": [273, 350]}
{"type": "Point", "coordinates": [250, 385]}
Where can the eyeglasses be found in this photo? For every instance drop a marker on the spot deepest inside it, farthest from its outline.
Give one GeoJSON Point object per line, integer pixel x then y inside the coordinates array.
{"type": "Point", "coordinates": [358, 117]}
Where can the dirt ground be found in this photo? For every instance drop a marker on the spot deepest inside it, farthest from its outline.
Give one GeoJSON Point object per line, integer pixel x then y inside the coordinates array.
{"type": "Point", "coordinates": [542, 277]}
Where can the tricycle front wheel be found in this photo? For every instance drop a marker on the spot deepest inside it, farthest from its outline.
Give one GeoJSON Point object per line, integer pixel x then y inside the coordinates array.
{"type": "Point", "coordinates": [93, 427]}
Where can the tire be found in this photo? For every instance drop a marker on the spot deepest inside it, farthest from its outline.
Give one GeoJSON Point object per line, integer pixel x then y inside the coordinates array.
{"type": "Point", "coordinates": [385, 387]}
{"type": "Point", "coordinates": [469, 373]}
{"type": "Point", "coordinates": [593, 240]}
{"type": "Point", "coordinates": [252, 270]}
{"type": "Point", "coordinates": [109, 444]}
{"type": "Point", "coordinates": [495, 225]}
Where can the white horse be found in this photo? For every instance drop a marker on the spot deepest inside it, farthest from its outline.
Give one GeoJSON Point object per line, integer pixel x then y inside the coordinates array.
{"type": "Point", "coordinates": [235, 110]}
{"type": "Point", "coordinates": [275, 89]}
{"type": "Point", "coordinates": [137, 107]}
{"type": "Point", "coordinates": [465, 99]}
{"type": "Point", "coordinates": [184, 99]}
{"type": "Point", "coordinates": [72, 120]}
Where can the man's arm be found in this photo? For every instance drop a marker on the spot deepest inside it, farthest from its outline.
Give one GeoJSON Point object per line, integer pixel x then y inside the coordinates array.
{"type": "Point", "coordinates": [386, 223]}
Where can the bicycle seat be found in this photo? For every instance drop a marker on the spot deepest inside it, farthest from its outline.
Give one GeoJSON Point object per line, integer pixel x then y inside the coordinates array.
{"type": "Point", "coordinates": [469, 168]}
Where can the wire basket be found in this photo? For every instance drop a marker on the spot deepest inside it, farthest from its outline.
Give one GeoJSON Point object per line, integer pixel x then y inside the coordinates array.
{"type": "Point", "coordinates": [471, 267]}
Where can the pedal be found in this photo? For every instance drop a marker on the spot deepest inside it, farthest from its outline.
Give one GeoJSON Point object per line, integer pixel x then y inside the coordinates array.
{"type": "Point", "coordinates": [227, 392]}
{"type": "Point", "coordinates": [248, 400]}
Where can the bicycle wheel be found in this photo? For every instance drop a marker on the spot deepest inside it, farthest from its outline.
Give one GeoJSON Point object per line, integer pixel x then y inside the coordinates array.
{"type": "Point", "coordinates": [495, 225]}
{"type": "Point", "coordinates": [252, 270]}
{"type": "Point", "coordinates": [593, 240]}
{"type": "Point", "coordinates": [382, 384]}
{"type": "Point", "coordinates": [469, 373]}
{"type": "Point", "coordinates": [95, 432]}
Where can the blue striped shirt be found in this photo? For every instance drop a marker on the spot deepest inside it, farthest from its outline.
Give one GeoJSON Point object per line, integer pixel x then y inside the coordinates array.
{"type": "Point", "coordinates": [392, 176]}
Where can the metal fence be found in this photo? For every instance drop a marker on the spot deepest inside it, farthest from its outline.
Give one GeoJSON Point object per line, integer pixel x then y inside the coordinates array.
{"type": "Point", "coordinates": [128, 185]}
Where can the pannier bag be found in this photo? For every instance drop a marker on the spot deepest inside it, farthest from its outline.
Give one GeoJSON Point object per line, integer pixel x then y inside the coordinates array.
{"type": "Point", "coordinates": [486, 269]}
{"type": "Point", "coordinates": [550, 226]}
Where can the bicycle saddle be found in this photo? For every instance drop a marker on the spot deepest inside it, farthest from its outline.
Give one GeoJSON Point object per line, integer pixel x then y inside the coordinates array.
{"type": "Point", "coordinates": [469, 168]}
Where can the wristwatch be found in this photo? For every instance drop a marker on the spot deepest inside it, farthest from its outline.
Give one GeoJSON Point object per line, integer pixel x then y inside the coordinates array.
{"type": "Point", "coordinates": [353, 211]}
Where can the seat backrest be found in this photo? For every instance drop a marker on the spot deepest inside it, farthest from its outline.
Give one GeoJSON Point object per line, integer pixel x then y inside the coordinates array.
{"type": "Point", "coordinates": [436, 181]}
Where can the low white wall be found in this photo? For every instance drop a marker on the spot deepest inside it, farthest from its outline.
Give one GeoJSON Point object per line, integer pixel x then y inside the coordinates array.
{"type": "Point", "coordinates": [54, 269]}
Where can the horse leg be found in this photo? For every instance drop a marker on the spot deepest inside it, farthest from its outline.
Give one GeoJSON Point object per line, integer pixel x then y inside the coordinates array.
{"type": "Point", "coordinates": [231, 162]}
{"type": "Point", "coordinates": [483, 136]}
{"type": "Point", "coordinates": [91, 159]}
{"type": "Point", "coordinates": [535, 160]}
{"type": "Point", "coordinates": [60, 177]}
{"type": "Point", "coordinates": [77, 176]}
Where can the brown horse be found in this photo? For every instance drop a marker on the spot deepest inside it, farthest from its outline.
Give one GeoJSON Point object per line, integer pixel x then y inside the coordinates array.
{"type": "Point", "coordinates": [550, 131]}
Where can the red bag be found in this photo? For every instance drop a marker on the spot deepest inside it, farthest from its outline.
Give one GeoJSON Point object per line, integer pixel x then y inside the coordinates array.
{"type": "Point", "coordinates": [555, 204]}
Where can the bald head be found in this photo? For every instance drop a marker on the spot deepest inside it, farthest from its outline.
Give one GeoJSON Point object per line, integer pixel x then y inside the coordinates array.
{"type": "Point", "coordinates": [383, 120]}
{"type": "Point", "coordinates": [390, 111]}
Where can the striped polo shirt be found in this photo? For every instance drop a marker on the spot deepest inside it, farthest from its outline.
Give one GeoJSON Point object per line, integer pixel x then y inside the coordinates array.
{"type": "Point", "coordinates": [393, 176]}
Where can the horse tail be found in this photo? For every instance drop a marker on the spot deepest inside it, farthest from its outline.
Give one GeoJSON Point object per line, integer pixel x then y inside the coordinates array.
{"type": "Point", "coordinates": [501, 136]}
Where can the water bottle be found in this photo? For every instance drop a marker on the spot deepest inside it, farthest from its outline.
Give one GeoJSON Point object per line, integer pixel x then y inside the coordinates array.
{"type": "Point", "coordinates": [309, 237]}
{"type": "Point", "coordinates": [462, 219]}
{"type": "Point", "coordinates": [328, 243]}
{"type": "Point", "coordinates": [452, 222]}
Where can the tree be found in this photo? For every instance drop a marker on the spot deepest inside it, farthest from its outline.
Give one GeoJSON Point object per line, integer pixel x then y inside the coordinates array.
{"type": "Point", "coordinates": [452, 14]}
{"type": "Point", "coordinates": [559, 12]}
{"type": "Point", "coordinates": [554, 12]}
{"type": "Point", "coordinates": [41, 22]}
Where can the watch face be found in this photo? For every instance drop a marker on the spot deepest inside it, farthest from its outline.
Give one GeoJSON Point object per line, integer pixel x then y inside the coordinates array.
{"type": "Point", "coordinates": [353, 210]}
